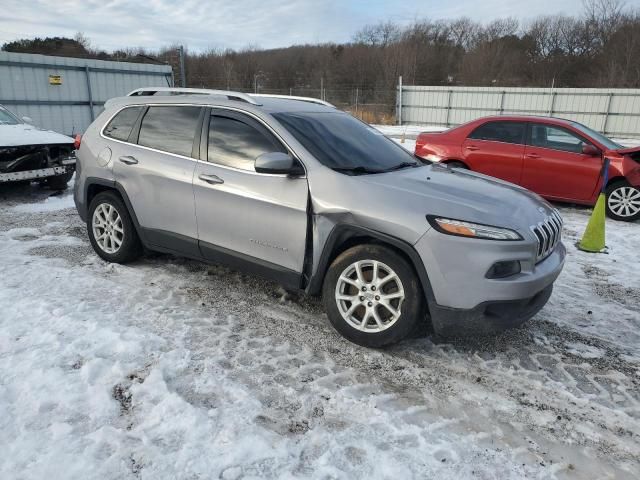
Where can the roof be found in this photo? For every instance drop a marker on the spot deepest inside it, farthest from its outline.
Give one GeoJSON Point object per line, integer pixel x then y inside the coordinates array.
{"type": "Point", "coordinates": [268, 105]}
{"type": "Point", "coordinates": [525, 118]}
{"type": "Point", "coordinates": [262, 102]}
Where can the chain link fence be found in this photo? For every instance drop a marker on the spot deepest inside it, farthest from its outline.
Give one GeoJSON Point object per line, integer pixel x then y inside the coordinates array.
{"type": "Point", "coordinates": [371, 105]}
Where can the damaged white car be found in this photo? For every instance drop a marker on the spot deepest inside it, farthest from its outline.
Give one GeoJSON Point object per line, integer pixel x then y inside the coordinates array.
{"type": "Point", "coordinates": [29, 153]}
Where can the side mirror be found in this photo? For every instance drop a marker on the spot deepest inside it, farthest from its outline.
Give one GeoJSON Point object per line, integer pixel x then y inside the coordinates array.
{"type": "Point", "coordinates": [590, 150]}
{"type": "Point", "coordinates": [278, 163]}
{"type": "Point", "coordinates": [28, 120]}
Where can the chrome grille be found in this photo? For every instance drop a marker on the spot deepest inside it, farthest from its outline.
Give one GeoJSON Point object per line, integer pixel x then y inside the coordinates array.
{"type": "Point", "coordinates": [548, 233]}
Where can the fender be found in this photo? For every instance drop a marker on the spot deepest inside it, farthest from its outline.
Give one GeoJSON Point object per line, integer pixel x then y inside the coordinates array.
{"type": "Point", "coordinates": [343, 232]}
{"type": "Point", "coordinates": [113, 185]}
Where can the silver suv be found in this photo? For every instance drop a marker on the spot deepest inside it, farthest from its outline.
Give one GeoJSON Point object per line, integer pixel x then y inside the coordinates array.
{"type": "Point", "coordinates": [302, 193]}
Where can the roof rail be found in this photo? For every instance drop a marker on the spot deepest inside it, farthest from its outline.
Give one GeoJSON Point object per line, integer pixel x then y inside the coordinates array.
{"type": "Point", "coordinates": [293, 97]}
{"type": "Point", "coordinates": [147, 91]}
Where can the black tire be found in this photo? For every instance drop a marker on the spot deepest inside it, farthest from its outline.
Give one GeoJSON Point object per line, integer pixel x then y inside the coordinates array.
{"type": "Point", "coordinates": [411, 309]}
{"type": "Point", "coordinates": [59, 182]}
{"type": "Point", "coordinates": [130, 248]}
{"type": "Point", "coordinates": [614, 190]}
{"type": "Point", "coordinates": [457, 164]}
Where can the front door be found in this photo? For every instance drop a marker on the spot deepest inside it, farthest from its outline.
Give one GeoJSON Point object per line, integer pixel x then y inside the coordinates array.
{"type": "Point", "coordinates": [248, 219]}
{"type": "Point", "coordinates": [554, 165]}
{"type": "Point", "coordinates": [496, 148]}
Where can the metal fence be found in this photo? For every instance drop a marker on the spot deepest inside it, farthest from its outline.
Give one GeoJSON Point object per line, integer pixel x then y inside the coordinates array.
{"type": "Point", "coordinates": [65, 94]}
{"type": "Point", "coordinates": [614, 112]}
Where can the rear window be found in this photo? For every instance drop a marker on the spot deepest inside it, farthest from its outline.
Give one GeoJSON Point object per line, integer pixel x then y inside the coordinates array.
{"type": "Point", "coordinates": [170, 129]}
{"type": "Point", "coordinates": [507, 132]}
{"type": "Point", "coordinates": [121, 125]}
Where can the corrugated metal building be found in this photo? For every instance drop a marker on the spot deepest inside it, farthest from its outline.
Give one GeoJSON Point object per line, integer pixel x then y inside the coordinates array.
{"type": "Point", "coordinates": [65, 94]}
{"type": "Point", "coordinates": [613, 111]}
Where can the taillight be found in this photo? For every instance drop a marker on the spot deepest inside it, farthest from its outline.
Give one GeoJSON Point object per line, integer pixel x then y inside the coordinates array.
{"type": "Point", "coordinates": [76, 141]}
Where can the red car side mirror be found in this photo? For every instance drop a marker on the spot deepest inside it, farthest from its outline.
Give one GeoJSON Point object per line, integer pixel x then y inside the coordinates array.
{"type": "Point", "coordinates": [590, 150]}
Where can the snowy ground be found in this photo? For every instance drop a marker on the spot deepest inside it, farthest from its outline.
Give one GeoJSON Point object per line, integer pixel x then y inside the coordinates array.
{"type": "Point", "coordinates": [168, 368]}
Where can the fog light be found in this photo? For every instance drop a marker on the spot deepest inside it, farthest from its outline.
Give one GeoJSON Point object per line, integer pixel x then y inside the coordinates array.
{"type": "Point", "coordinates": [503, 269]}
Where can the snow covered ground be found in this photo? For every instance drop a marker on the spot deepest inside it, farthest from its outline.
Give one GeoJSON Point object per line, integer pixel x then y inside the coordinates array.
{"type": "Point", "coordinates": [168, 368]}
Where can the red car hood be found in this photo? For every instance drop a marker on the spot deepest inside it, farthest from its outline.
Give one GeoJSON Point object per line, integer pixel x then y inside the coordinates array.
{"type": "Point", "coordinates": [625, 151]}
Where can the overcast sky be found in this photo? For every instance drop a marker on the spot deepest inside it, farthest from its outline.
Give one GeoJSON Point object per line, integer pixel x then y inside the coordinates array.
{"type": "Point", "coordinates": [201, 24]}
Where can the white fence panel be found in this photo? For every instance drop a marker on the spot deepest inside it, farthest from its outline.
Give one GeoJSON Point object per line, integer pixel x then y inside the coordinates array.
{"type": "Point", "coordinates": [615, 112]}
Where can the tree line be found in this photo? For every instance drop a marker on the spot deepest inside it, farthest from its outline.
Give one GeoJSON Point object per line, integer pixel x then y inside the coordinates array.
{"type": "Point", "coordinates": [599, 47]}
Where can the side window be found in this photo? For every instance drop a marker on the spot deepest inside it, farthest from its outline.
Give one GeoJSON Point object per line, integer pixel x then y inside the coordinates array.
{"type": "Point", "coordinates": [121, 125]}
{"type": "Point", "coordinates": [237, 144]}
{"type": "Point", "coordinates": [170, 129]}
{"type": "Point", "coordinates": [507, 132]}
{"type": "Point", "coordinates": [555, 138]}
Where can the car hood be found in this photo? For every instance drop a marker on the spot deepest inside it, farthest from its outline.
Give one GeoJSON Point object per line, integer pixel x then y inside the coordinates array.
{"type": "Point", "coordinates": [463, 195]}
{"type": "Point", "coordinates": [25, 134]}
{"type": "Point", "coordinates": [628, 150]}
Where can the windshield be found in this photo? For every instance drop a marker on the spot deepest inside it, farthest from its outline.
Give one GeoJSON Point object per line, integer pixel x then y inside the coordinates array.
{"type": "Point", "coordinates": [8, 118]}
{"type": "Point", "coordinates": [610, 144]}
{"type": "Point", "coordinates": [341, 142]}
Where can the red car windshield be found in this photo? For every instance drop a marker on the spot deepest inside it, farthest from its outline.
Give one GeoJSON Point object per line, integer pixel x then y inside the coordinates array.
{"type": "Point", "coordinates": [607, 142]}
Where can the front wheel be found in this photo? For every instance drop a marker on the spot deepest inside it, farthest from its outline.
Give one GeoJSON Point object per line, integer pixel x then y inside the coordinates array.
{"type": "Point", "coordinates": [372, 296]}
{"type": "Point", "coordinates": [623, 201]}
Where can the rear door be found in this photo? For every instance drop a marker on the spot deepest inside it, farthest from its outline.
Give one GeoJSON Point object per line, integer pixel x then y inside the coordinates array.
{"type": "Point", "coordinates": [554, 165]}
{"type": "Point", "coordinates": [157, 175]}
{"type": "Point", "coordinates": [496, 148]}
{"type": "Point", "coordinates": [245, 218]}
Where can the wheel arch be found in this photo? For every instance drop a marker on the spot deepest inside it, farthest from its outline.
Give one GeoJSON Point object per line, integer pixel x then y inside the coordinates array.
{"type": "Point", "coordinates": [343, 237]}
{"type": "Point", "coordinates": [452, 160]}
{"type": "Point", "coordinates": [616, 179]}
{"type": "Point", "coordinates": [94, 186]}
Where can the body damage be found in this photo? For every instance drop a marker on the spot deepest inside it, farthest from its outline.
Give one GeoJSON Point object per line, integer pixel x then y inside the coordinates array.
{"type": "Point", "coordinates": [28, 153]}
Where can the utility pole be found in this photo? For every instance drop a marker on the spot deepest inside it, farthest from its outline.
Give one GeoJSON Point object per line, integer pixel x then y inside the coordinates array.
{"type": "Point", "coordinates": [183, 78]}
{"type": "Point", "coordinates": [321, 88]}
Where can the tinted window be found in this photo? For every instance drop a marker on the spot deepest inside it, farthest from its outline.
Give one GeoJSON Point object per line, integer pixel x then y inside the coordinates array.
{"type": "Point", "coordinates": [340, 141]}
{"type": "Point", "coordinates": [170, 129]}
{"type": "Point", "coordinates": [556, 138]}
{"type": "Point", "coordinates": [237, 144]}
{"type": "Point", "coordinates": [507, 132]}
{"type": "Point", "coordinates": [121, 125]}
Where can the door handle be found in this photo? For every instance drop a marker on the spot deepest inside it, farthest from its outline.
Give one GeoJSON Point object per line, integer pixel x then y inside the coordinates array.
{"type": "Point", "coordinates": [212, 179]}
{"type": "Point", "coordinates": [128, 160]}
{"type": "Point", "coordinates": [472, 148]}
{"type": "Point", "coordinates": [533, 155]}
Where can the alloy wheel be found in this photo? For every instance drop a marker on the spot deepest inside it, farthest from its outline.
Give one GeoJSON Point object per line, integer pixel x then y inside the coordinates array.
{"type": "Point", "coordinates": [108, 231]}
{"type": "Point", "coordinates": [369, 295]}
{"type": "Point", "coordinates": [624, 201]}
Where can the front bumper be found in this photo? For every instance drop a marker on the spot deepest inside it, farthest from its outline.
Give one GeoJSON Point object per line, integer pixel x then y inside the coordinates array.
{"type": "Point", "coordinates": [35, 174]}
{"type": "Point", "coordinates": [488, 318]}
{"type": "Point", "coordinates": [464, 301]}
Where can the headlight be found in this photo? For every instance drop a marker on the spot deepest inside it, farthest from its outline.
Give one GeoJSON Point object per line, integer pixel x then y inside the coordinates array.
{"type": "Point", "coordinates": [432, 157]}
{"type": "Point", "coordinates": [461, 228]}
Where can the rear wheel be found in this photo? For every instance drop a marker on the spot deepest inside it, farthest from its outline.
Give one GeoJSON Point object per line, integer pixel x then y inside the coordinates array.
{"type": "Point", "coordinates": [372, 296]}
{"type": "Point", "coordinates": [457, 164]}
{"type": "Point", "coordinates": [111, 230]}
{"type": "Point", "coordinates": [623, 201]}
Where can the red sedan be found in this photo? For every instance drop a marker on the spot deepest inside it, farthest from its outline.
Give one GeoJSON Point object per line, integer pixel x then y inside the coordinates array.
{"type": "Point", "coordinates": [558, 159]}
